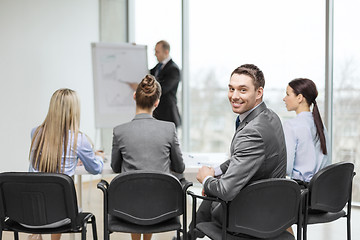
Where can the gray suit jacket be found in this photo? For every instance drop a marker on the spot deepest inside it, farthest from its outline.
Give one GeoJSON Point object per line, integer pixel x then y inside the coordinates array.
{"type": "Point", "coordinates": [257, 150]}
{"type": "Point", "coordinates": [146, 144]}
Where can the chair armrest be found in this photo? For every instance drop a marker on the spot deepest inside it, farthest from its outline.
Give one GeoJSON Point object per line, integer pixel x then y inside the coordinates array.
{"type": "Point", "coordinates": [185, 184]}
{"type": "Point", "coordinates": [207, 198]}
{"type": "Point", "coordinates": [302, 184]}
{"type": "Point", "coordinates": [83, 218]}
{"type": "Point", "coordinates": [103, 185]}
{"type": "Point", "coordinates": [303, 211]}
{"type": "Point", "coordinates": [304, 198]}
{"type": "Point", "coordinates": [304, 192]}
{"type": "Point", "coordinates": [213, 199]}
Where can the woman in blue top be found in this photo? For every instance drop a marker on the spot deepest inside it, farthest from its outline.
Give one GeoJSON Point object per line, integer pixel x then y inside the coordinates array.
{"type": "Point", "coordinates": [57, 143]}
{"type": "Point", "coordinates": [305, 135]}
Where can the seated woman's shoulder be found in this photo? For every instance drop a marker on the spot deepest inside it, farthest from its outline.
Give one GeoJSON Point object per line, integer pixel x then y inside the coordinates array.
{"type": "Point", "coordinates": [296, 122]}
{"type": "Point", "coordinates": [84, 140]}
{"type": "Point", "coordinates": [33, 131]}
{"type": "Point", "coordinates": [124, 127]}
{"type": "Point", "coordinates": [296, 127]}
{"type": "Point", "coordinates": [166, 124]}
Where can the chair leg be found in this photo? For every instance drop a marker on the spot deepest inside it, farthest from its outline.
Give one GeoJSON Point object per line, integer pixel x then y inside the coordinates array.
{"type": "Point", "coordinates": [83, 233]}
{"type": "Point", "coordinates": [16, 235]}
{"type": "Point", "coordinates": [305, 231]}
{"type": "Point", "coordinates": [298, 231]}
{"type": "Point", "coordinates": [93, 224]}
{"type": "Point", "coordinates": [193, 222]}
{"type": "Point", "coordinates": [348, 228]}
{"type": "Point", "coordinates": [178, 235]}
{"type": "Point", "coordinates": [106, 232]}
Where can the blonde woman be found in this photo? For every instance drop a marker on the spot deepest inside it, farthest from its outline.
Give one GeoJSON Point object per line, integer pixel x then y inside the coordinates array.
{"type": "Point", "coordinates": [57, 144]}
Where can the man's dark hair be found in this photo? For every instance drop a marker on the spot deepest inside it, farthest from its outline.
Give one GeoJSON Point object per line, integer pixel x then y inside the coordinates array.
{"type": "Point", "coordinates": [252, 71]}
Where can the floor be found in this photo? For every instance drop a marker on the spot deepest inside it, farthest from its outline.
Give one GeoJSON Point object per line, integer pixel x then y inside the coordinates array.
{"type": "Point", "coordinates": [92, 202]}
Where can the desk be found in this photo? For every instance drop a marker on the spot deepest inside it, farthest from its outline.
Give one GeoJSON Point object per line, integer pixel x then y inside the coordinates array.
{"type": "Point", "coordinates": [193, 161]}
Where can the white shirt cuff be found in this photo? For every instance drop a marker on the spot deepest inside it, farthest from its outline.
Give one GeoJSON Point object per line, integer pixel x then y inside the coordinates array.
{"type": "Point", "coordinates": [218, 171]}
{"type": "Point", "coordinates": [206, 178]}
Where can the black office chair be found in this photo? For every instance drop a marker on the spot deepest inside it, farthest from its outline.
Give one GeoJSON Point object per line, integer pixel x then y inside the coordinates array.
{"type": "Point", "coordinates": [329, 191]}
{"type": "Point", "coordinates": [36, 202]}
{"type": "Point", "coordinates": [262, 210]}
{"type": "Point", "coordinates": [144, 202]}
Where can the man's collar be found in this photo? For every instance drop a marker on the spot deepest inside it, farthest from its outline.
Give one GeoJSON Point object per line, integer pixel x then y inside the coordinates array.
{"type": "Point", "coordinates": [242, 116]}
{"type": "Point", "coordinates": [165, 61]}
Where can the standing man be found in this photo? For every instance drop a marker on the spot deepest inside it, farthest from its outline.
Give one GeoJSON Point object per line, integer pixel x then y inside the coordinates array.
{"type": "Point", "coordinates": [257, 150]}
{"type": "Point", "coordinates": [168, 75]}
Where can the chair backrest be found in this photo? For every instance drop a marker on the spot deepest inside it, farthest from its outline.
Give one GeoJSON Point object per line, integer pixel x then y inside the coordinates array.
{"type": "Point", "coordinates": [265, 208]}
{"type": "Point", "coordinates": [37, 199]}
{"type": "Point", "coordinates": [145, 197]}
{"type": "Point", "coordinates": [330, 188]}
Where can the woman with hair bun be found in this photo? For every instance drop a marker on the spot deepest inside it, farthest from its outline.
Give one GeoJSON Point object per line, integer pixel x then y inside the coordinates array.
{"type": "Point", "coordinates": [146, 143]}
{"type": "Point", "coordinates": [306, 138]}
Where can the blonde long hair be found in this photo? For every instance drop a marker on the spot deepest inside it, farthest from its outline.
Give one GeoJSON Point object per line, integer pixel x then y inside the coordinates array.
{"type": "Point", "coordinates": [51, 138]}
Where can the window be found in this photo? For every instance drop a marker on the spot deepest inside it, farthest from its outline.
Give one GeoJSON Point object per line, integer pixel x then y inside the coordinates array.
{"type": "Point", "coordinates": [346, 88]}
{"type": "Point", "coordinates": [157, 20]}
{"type": "Point", "coordinates": [284, 42]}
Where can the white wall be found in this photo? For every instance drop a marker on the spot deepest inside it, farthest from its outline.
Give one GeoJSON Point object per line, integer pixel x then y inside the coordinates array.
{"type": "Point", "coordinates": [44, 45]}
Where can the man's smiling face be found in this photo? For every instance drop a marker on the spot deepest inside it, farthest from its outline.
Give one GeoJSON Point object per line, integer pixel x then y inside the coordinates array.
{"type": "Point", "coordinates": [242, 93]}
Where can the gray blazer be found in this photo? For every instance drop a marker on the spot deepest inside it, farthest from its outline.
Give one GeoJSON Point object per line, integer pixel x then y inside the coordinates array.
{"type": "Point", "coordinates": [146, 144]}
{"type": "Point", "coordinates": [258, 151]}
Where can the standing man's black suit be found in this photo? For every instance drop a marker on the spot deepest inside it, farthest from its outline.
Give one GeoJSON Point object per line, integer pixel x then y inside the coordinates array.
{"type": "Point", "coordinates": [169, 78]}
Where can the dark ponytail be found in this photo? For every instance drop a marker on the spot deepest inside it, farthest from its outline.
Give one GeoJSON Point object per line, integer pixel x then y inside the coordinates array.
{"type": "Point", "coordinates": [319, 128]}
{"type": "Point", "coordinates": [307, 88]}
{"type": "Point", "coordinates": [147, 92]}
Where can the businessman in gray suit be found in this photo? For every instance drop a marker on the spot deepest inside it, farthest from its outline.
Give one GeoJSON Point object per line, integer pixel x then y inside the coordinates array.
{"type": "Point", "coordinates": [257, 150]}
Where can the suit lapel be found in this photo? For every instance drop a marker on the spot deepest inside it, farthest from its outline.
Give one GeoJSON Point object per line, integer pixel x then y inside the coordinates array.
{"type": "Point", "coordinates": [167, 64]}
{"type": "Point", "coordinates": [163, 69]}
{"type": "Point", "coordinates": [241, 126]}
{"type": "Point", "coordinates": [250, 117]}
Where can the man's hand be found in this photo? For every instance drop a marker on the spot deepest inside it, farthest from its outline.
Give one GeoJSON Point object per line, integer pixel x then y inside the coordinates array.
{"type": "Point", "coordinates": [203, 172]}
